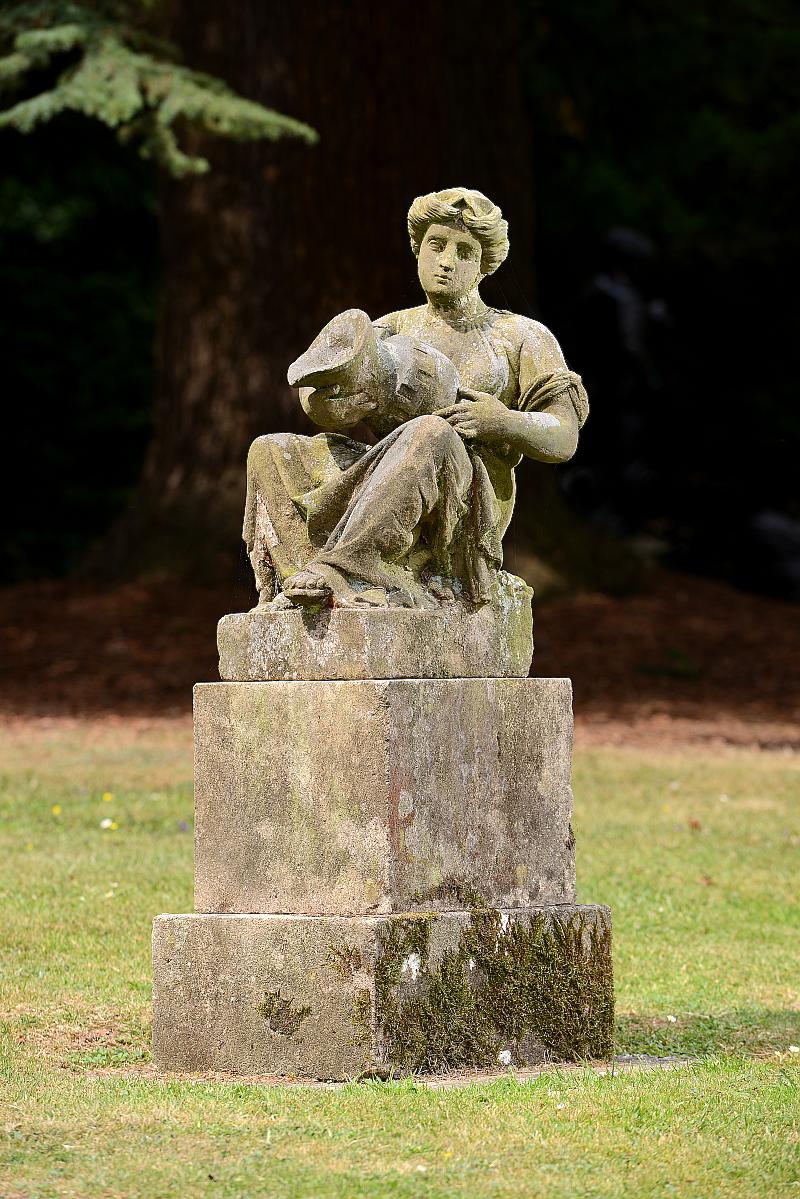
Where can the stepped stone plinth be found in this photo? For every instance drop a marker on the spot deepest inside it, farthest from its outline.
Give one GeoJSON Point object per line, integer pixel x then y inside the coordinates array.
{"type": "Point", "coordinates": [384, 883]}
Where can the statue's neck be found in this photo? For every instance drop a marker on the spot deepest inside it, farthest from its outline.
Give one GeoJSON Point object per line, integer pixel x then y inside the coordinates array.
{"type": "Point", "coordinates": [465, 312]}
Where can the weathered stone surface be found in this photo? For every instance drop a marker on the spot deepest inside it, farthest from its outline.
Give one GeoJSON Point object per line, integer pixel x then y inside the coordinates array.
{"type": "Point", "coordinates": [379, 796]}
{"type": "Point", "coordinates": [336, 997]}
{"type": "Point", "coordinates": [493, 641]}
{"type": "Point", "coordinates": [453, 393]}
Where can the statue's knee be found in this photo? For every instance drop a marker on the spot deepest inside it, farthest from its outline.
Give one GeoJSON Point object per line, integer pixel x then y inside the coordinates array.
{"type": "Point", "coordinates": [434, 431]}
{"type": "Point", "coordinates": [268, 443]}
{"type": "Point", "coordinates": [426, 425]}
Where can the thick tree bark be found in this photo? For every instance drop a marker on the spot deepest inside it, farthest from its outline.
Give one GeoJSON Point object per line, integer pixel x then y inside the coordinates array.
{"type": "Point", "coordinates": [279, 237]}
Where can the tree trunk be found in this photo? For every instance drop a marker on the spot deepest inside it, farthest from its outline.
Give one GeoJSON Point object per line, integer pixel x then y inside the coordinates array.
{"type": "Point", "coordinates": [279, 237]}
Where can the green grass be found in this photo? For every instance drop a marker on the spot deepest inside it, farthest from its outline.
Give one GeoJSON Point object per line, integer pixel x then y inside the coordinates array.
{"type": "Point", "coordinates": [706, 947]}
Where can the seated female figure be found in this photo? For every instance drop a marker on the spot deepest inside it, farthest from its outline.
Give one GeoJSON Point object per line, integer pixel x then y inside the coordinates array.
{"type": "Point", "coordinates": [455, 392]}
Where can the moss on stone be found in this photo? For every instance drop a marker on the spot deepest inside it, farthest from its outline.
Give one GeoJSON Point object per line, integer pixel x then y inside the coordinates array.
{"type": "Point", "coordinates": [507, 984]}
{"type": "Point", "coordinates": [362, 1017]}
{"type": "Point", "coordinates": [345, 960]}
{"type": "Point", "coordinates": [455, 891]}
{"type": "Point", "coordinates": [283, 1015]}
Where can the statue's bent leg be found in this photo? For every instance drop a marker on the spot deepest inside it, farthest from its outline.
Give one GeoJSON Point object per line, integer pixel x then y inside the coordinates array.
{"type": "Point", "coordinates": [424, 474]}
{"type": "Point", "coordinates": [280, 467]}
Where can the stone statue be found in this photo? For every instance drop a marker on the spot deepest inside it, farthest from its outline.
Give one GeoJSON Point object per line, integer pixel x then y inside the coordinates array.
{"type": "Point", "coordinates": [384, 859]}
{"type": "Point", "coordinates": [455, 393]}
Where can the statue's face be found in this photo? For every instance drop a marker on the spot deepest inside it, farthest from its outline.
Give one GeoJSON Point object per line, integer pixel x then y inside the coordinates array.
{"type": "Point", "coordinates": [449, 262]}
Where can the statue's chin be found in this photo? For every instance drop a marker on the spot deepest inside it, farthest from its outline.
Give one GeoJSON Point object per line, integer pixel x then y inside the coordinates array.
{"type": "Point", "coordinates": [443, 292]}
{"type": "Point", "coordinates": [447, 297]}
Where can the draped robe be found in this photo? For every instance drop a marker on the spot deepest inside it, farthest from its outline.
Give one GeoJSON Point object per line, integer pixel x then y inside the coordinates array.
{"type": "Point", "coordinates": [419, 500]}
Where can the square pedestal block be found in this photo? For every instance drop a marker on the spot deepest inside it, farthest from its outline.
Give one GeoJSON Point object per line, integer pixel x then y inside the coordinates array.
{"type": "Point", "coordinates": [338, 997]}
{"type": "Point", "coordinates": [495, 640]}
{"type": "Point", "coordinates": [377, 796]}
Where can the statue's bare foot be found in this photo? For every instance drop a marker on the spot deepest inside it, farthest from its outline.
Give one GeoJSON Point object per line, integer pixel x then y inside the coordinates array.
{"type": "Point", "coordinates": [440, 590]}
{"type": "Point", "coordinates": [398, 597]}
{"type": "Point", "coordinates": [279, 604]}
{"type": "Point", "coordinates": [307, 587]}
{"type": "Point", "coordinates": [319, 583]}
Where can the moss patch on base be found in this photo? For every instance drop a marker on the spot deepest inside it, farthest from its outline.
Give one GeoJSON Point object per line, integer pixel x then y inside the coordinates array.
{"type": "Point", "coordinates": [283, 1015]}
{"type": "Point", "coordinates": [523, 986]}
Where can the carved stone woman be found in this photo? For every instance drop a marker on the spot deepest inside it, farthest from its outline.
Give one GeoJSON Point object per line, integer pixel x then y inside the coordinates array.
{"type": "Point", "coordinates": [455, 392]}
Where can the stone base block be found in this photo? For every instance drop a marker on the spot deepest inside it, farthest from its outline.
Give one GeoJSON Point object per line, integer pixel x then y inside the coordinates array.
{"type": "Point", "coordinates": [340, 997]}
{"type": "Point", "coordinates": [494, 641]}
{"type": "Point", "coordinates": [362, 797]}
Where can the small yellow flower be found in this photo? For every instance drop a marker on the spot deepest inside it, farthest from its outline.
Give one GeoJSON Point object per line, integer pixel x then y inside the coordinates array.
{"type": "Point", "coordinates": [114, 825]}
{"type": "Point", "coordinates": [56, 809]}
{"type": "Point", "coordinates": [29, 846]}
{"type": "Point", "coordinates": [107, 796]}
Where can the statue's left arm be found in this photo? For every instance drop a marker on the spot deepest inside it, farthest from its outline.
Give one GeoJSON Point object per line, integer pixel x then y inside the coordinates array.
{"type": "Point", "coordinates": [550, 410]}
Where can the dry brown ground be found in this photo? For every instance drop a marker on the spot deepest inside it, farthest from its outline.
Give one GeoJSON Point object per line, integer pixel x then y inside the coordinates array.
{"type": "Point", "coordinates": [686, 662]}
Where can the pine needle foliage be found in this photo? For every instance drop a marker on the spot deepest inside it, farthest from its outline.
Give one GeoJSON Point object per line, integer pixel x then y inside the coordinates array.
{"type": "Point", "coordinates": [104, 63]}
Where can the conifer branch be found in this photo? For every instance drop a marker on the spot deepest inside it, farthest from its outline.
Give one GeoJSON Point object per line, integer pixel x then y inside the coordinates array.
{"type": "Point", "coordinates": [108, 67]}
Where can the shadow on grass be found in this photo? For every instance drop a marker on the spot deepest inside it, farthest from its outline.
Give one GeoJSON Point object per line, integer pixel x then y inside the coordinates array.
{"type": "Point", "coordinates": [743, 1031]}
{"type": "Point", "coordinates": [78, 1039]}
{"type": "Point", "coordinates": [110, 1040]}
{"type": "Point", "coordinates": [746, 1030]}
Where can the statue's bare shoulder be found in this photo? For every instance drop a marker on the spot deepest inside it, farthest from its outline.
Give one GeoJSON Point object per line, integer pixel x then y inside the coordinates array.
{"type": "Point", "coordinates": [530, 338]}
{"type": "Point", "coordinates": [405, 321]}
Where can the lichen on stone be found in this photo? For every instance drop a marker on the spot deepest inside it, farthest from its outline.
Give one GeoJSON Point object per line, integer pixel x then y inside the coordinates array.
{"type": "Point", "coordinates": [544, 981]}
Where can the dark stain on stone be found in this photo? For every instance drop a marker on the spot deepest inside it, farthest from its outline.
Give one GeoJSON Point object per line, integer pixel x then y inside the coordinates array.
{"type": "Point", "coordinates": [451, 893]}
{"type": "Point", "coordinates": [283, 1015]}
{"type": "Point", "coordinates": [316, 621]}
{"type": "Point", "coordinates": [398, 781]}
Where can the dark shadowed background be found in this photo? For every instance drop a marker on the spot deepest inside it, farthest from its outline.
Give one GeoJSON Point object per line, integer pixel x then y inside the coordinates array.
{"type": "Point", "coordinates": [645, 156]}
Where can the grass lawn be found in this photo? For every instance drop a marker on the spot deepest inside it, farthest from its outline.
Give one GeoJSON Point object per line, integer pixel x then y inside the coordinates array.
{"type": "Point", "coordinates": [696, 854]}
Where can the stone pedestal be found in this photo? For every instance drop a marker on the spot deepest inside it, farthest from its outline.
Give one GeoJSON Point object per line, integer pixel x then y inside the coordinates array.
{"type": "Point", "coordinates": [355, 798]}
{"type": "Point", "coordinates": [493, 641]}
{"type": "Point", "coordinates": [385, 875]}
{"type": "Point", "coordinates": [343, 996]}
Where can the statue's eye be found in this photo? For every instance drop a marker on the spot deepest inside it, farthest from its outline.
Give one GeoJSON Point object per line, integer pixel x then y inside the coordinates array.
{"type": "Point", "coordinates": [436, 243]}
{"type": "Point", "coordinates": [465, 251]}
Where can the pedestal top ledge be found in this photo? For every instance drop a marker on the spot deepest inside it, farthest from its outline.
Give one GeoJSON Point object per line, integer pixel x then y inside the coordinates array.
{"type": "Point", "coordinates": [493, 641]}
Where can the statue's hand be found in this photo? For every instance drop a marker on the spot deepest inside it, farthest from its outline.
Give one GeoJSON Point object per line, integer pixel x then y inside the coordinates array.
{"type": "Point", "coordinates": [482, 418]}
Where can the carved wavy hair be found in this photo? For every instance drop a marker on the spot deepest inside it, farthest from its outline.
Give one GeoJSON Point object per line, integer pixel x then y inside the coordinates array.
{"type": "Point", "coordinates": [465, 209]}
